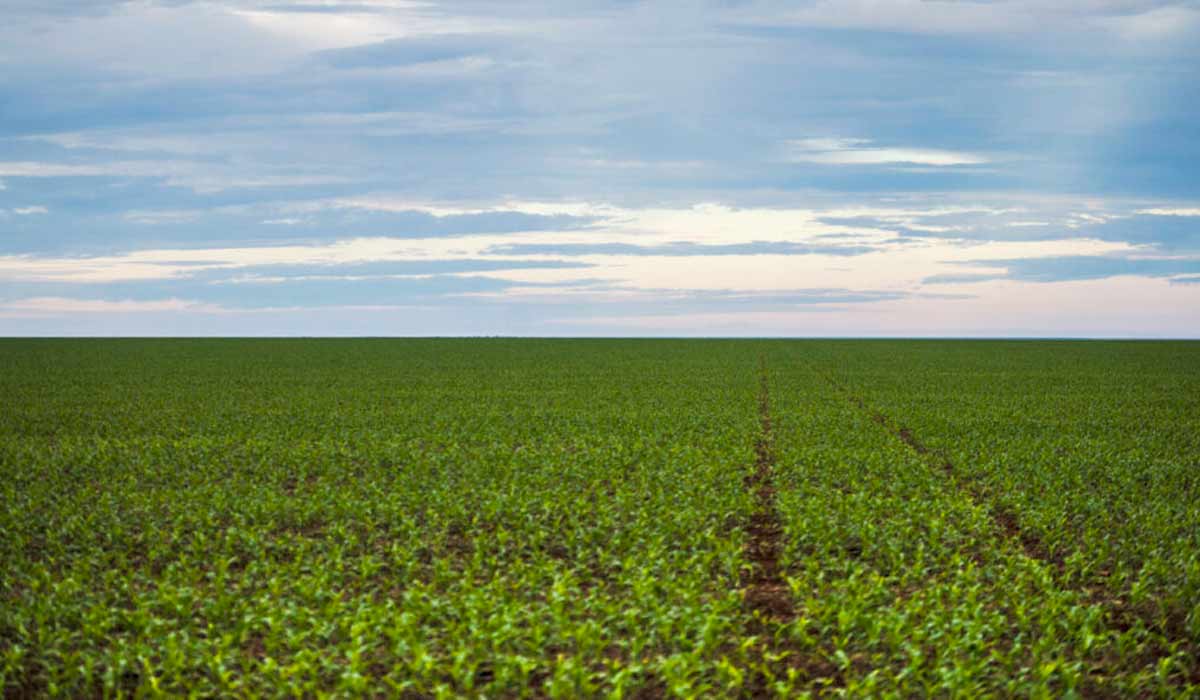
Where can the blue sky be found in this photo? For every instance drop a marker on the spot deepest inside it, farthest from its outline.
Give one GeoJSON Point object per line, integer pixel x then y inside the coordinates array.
{"type": "Point", "coordinates": [394, 167]}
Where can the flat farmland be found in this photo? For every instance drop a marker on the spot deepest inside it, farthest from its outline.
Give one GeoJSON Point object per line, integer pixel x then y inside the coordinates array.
{"type": "Point", "coordinates": [599, 518]}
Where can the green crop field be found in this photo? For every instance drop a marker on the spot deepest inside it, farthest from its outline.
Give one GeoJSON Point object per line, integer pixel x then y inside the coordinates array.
{"type": "Point", "coordinates": [611, 518]}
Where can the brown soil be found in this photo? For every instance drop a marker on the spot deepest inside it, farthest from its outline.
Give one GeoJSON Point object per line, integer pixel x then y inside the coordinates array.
{"type": "Point", "coordinates": [766, 591]}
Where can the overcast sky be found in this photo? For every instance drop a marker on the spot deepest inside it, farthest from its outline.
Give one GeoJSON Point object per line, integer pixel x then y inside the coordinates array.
{"type": "Point", "coordinates": [384, 167]}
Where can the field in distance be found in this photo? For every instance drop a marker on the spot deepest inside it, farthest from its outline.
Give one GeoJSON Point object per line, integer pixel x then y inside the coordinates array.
{"type": "Point", "coordinates": [619, 518]}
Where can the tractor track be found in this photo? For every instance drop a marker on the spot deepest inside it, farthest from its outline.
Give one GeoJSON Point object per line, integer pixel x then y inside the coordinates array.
{"type": "Point", "coordinates": [1121, 614]}
{"type": "Point", "coordinates": [766, 590]}
{"type": "Point", "coordinates": [766, 593]}
{"type": "Point", "coordinates": [1003, 521]}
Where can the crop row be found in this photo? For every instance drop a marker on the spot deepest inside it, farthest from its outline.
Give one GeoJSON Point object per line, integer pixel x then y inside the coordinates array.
{"type": "Point", "coordinates": [438, 521]}
{"type": "Point", "coordinates": [1086, 450]}
{"type": "Point", "coordinates": [440, 518]}
{"type": "Point", "coordinates": [902, 581]}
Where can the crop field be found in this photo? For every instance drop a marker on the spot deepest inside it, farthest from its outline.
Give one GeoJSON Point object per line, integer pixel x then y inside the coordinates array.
{"type": "Point", "coordinates": [599, 518]}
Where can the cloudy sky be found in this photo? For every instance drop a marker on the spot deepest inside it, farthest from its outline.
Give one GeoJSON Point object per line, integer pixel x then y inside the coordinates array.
{"type": "Point", "coordinates": [580, 167]}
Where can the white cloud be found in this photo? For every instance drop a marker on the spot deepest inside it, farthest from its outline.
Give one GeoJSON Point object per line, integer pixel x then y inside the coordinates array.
{"type": "Point", "coordinates": [1130, 20]}
{"type": "Point", "coordinates": [834, 151]}
{"type": "Point", "coordinates": [27, 211]}
{"type": "Point", "coordinates": [239, 149]}
{"type": "Point", "coordinates": [380, 123]}
{"type": "Point", "coordinates": [53, 306]}
{"type": "Point", "coordinates": [162, 216]}
{"type": "Point", "coordinates": [896, 261]}
{"type": "Point", "coordinates": [574, 295]}
{"type": "Point", "coordinates": [1185, 211]}
{"type": "Point", "coordinates": [1155, 25]}
{"type": "Point", "coordinates": [203, 178]}
{"type": "Point", "coordinates": [165, 264]}
{"type": "Point", "coordinates": [678, 166]}
{"type": "Point", "coordinates": [390, 203]}
{"type": "Point", "coordinates": [347, 28]}
{"type": "Point", "coordinates": [209, 184]}
{"type": "Point", "coordinates": [42, 307]}
{"type": "Point", "coordinates": [135, 141]}
{"type": "Point", "coordinates": [36, 169]}
{"type": "Point", "coordinates": [154, 42]}
{"type": "Point", "coordinates": [897, 267]}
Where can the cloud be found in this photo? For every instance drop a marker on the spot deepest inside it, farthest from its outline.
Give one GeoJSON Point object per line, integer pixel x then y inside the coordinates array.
{"type": "Point", "coordinates": [351, 258]}
{"type": "Point", "coordinates": [1157, 24]}
{"type": "Point", "coordinates": [257, 291]}
{"type": "Point", "coordinates": [668, 298]}
{"type": "Point", "coordinates": [376, 270]}
{"type": "Point", "coordinates": [966, 278]}
{"type": "Point", "coordinates": [1174, 230]}
{"type": "Point", "coordinates": [299, 153]}
{"type": "Point", "coordinates": [156, 218]}
{"type": "Point", "coordinates": [1184, 211]}
{"type": "Point", "coordinates": [345, 25]}
{"type": "Point", "coordinates": [1072, 268]}
{"type": "Point", "coordinates": [1177, 231]}
{"type": "Point", "coordinates": [257, 132]}
{"type": "Point", "coordinates": [42, 307]}
{"type": "Point", "coordinates": [27, 211]}
{"type": "Point", "coordinates": [1131, 20]}
{"type": "Point", "coordinates": [32, 169]}
{"type": "Point", "coordinates": [51, 306]}
{"type": "Point", "coordinates": [410, 51]}
{"type": "Point", "coordinates": [199, 176]}
{"type": "Point", "coordinates": [859, 152]}
{"type": "Point", "coordinates": [142, 39]}
{"type": "Point", "coordinates": [257, 224]}
{"type": "Point", "coordinates": [63, 7]}
{"type": "Point", "coordinates": [680, 249]}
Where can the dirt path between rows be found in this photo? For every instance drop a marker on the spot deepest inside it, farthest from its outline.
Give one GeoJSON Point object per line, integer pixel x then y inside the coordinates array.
{"type": "Point", "coordinates": [766, 591]}
{"type": "Point", "coordinates": [1004, 521]}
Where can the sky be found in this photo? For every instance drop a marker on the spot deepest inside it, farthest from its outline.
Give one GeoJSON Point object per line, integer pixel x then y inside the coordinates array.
{"type": "Point", "coordinates": [590, 168]}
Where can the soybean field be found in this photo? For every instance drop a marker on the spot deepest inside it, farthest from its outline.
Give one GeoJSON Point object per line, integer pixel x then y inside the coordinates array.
{"type": "Point", "coordinates": [435, 518]}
